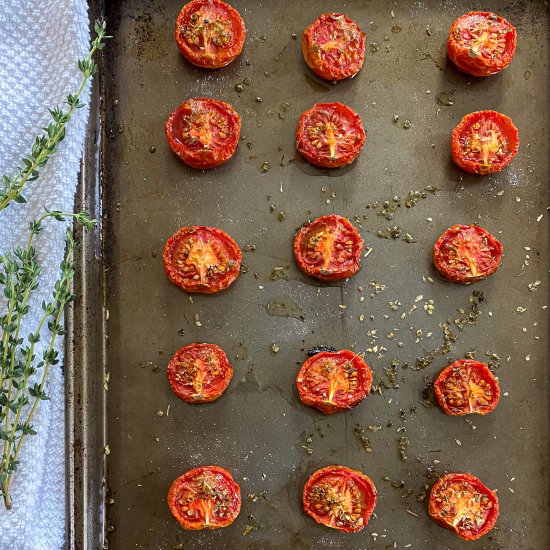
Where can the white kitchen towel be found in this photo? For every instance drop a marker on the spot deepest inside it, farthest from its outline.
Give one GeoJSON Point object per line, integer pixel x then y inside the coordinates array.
{"type": "Point", "coordinates": [41, 41]}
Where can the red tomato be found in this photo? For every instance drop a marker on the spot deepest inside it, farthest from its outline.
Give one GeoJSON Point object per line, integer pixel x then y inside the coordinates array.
{"type": "Point", "coordinates": [484, 142]}
{"type": "Point", "coordinates": [340, 498]}
{"type": "Point", "coordinates": [466, 254]}
{"type": "Point", "coordinates": [467, 387]}
{"type": "Point", "coordinates": [334, 381]}
{"type": "Point", "coordinates": [199, 373]}
{"type": "Point", "coordinates": [210, 33]}
{"type": "Point", "coordinates": [205, 498]}
{"type": "Point", "coordinates": [203, 132]}
{"type": "Point", "coordinates": [330, 135]}
{"type": "Point", "coordinates": [461, 503]}
{"type": "Point", "coordinates": [334, 46]}
{"type": "Point", "coordinates": [202, 259]}
{"type": "Point", "coordinates": [328, 248]}
{"type": "Point", "coordinates": [481, 43]}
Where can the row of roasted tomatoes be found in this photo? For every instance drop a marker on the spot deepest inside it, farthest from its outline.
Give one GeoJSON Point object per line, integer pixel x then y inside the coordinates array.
{"type": "Point", "coordinates": [336, 496]}
{"type": "Point", "coordinates": [207, 260]}
{"type": "Point", "coordinates": [204, 133]}
{"type": "Point", "coordinates": [332, 381]}
{"type": "Point", "coordinates": [211, 34]}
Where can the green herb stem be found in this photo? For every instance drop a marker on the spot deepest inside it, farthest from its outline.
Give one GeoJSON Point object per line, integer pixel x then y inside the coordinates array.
{"type": "Point", "coordinates": [21, 391]}
{"type": "Point", "coordinates": [60, 308]}
{"type": "Point", "coordinates": [46, 145]}
{"type": "Point", "coordinates": [21, 279]}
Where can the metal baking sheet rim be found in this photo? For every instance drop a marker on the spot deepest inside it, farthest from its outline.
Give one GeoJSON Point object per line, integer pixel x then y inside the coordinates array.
{"type": "Point", "coordinates": [85, 345]}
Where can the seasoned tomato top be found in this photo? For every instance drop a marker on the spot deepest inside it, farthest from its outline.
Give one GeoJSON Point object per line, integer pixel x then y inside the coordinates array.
{"type": "Point", "coordinates": [330, 135]}
{"type": "Point", "coordinates": [199, 373]}
{"type": "Point", "coordinates": [340, 498]}
{"type": "Point", "coordinates": [334, 381]}
{"type": "Point", "coordinates": [202, 259]}
{"type": "Point", "coordinates": [481, 43]}
{"type": "Point", "coordinates": [463, 504]}
{"type": "Point", "coordinates": [329, 248]}
{"type": "Point", "coordinates": [334, 46]}
{"type": "Point", "coordinates": [210, 33]}
{"type": "Point", "coordinates": [205, 498]}
{"type": "Point", "coordinates": [467, 253]}
{"type": "Point", "coordinates": [467, 387]}
{"type": "Point", "coordinates": [484, 142]}
{"type": "Point", "coordinates": [204, 132]}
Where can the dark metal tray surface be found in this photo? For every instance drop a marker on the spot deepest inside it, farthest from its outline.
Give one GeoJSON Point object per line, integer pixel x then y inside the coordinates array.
{"type": "Point", "coordinates": [258, 429]}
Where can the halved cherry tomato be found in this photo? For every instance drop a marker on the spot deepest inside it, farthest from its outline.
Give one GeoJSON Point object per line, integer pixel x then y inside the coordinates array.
{"type": "Point", "coordinates": [484, 142]}
{"type": "Point", "coordinates": [467, 387]}
{"type": "Point", "coordinates": [205, 498]}
{"type": "Point", "coordinates": [203, 132]}
{"type": "Point", "coordinates": [461, 503]}
{"type": "Point", "coordinates": [199, 373]}
{"type": "Point", "coordinates": [333, 381]}
{"type": "Point", "coordinates": [330, 135]}
{"type": "Point", "coordinates": [481, 43]}
{"type": "Point", "coordinates": [202, 259]}
{"type": "Point", "coordinates": [334, 46]}
{"type": "Point", "coordinates": [466, 254]}
{"type": "Point", "coordinates": [210, 33]}
{"type": "Point", "coordinates": [328, 248]}
{"type": "Point", "coordinates": [340, 498]}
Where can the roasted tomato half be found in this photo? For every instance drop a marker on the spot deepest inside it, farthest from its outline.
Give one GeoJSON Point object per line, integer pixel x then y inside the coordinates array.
{"type": "Point", "coordinates": [202, 259]}
{"type": "Point", "coordinates": [205, 498]}
{"type": "Point", "coordinates": [199, 373]}
{"type": "Point", "coordinates": [467, 387]}
{"type": "Point", "coordinates": [210, 33]}
{"type": "Point", "coordinates": [328, 248]}
{"type": "Point", "coordinates": [484, 142]}
{"type": "Point", "coordinates": [461, 503]}
{"type": "Point", "coordinates": [466, 254]}
{"type": "Point", "coordinates": [481, 43]}
{"type": "Point", "coordinates": [334, 46]}
{"type": "Point", "coordinates": [203, 132]}
{"type": "Point", "coordinates": [333, 381]}
{"type": "Point", "coordinates": [330, 135]}
{"type": "Point", "coordinates": [340, 498]}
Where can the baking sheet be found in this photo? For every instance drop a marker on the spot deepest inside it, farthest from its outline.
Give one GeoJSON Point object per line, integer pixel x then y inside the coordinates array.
{"type": "Point", "coordinates": [258, 429]}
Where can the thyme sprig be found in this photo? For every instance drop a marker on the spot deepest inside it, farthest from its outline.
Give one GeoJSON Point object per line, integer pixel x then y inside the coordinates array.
{"type": "Point", "coordinates": [23, 375]}
{"type": "Point", "coordinates": [46, 145]}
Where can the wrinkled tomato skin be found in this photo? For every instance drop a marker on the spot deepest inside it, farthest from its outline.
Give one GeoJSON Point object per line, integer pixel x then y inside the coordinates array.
{"type": "Point", "coordinates": [454, 266]}
{"type": "Point", "coordinates": [334, 270]}
{"type": "Point", "coordinates": [332, 116]}
{"type": "Point", "coordinates": [348, 58]}
{"type": "Point", "coordinates": [464, 131]}
{"type": "Point", "coordinates": [465, 369]}
{"type": "Point", "coordinates": [462, 50]}
{"type": "Point", "coordinates": [226, 247]}
{"type": "Point", "coordinates": [225, 480]}
{"type": "Point", "coordinates": [214, 388]}
{"type": "Point", "coordinates": [203, 132]}
{"type": "Point", "coordinates": [345, 475]}
{"type": "Point", "coordinates": [226, 28]}
{"type": "Point", "coordinates": [443, 486]}
{"type": "Point", "coordinates": [344, 399]}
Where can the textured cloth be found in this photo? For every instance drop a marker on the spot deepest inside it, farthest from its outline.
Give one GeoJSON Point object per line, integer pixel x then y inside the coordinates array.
{"type": "Point", "coordinates": [41, 42]}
